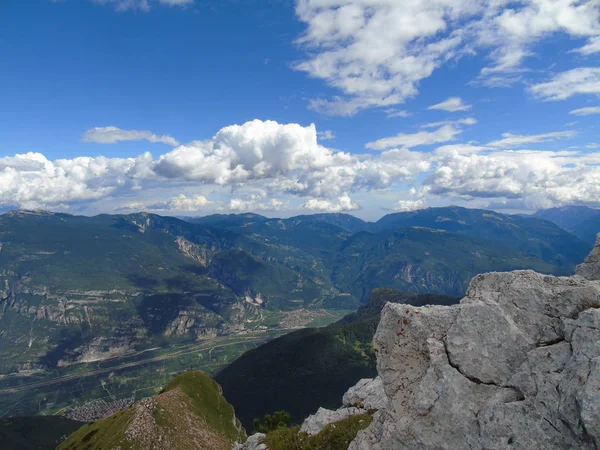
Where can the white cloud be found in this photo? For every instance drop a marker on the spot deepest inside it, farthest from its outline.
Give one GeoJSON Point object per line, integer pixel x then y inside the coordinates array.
{"type": "Point", "coordinates": [452, 104]}
{"type": "Point", "coordinates": [376, 52]}
{"type": "Point", "coordinates": [32, 181]}
{"type": "Point", "coordinates": [112, 135]}
{"type": "Point", "coordinates": [265, 163]}
{"type": "Point", "coordinates": [593, 46]}
{"type": "Point", "coordinates": [326, 135]}
{"type": "Point", "coordinates": [582, 80]}
{"type": "Point", "coordinates": [539, 178]}
{"type": "Point", "coordinates": [397, 113]}
{"type": "Point", "coordinates": [465, 121]}
{"type": "Point", "coordinates": [182, 203]}
{"type": "Point", "coordinates": [179, 204]}
{"type": "Point", "coordinates": [342, 204]}
{"type": "Point", "coordinates": [587, 111]}
{"type": "Point", "coordinates": [408, 140]}
{"type": "Point", "coordinates": [409, 205]}
{"type": "Point", "coordinates": [517, 140]}
{"type": "Point", "coordinates": [252, 151]}
{"type": "Point", "coordinates": [238, 204]}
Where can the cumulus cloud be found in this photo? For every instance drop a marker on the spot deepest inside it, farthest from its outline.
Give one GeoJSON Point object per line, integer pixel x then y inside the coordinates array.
{"type": "Point", "coordinates": [274, 161]}
{"type": "Point", "coordinates": [582, 80]}
{"type": "Point", "coordinates": [32, 181]}
{"type": "Point", "coordinates": [182, 203]}
{"type": "Point", "coordinates": [254, 150]}
{"type": "Point", "coordinates": [587, 111]}
{"type": "Point", "coordinates": [409, 205]}
{"type": "Point", "coordinates": [517, 140]}
{"type": "Point", "coordinates": [375, 53]}
{"type": "Point", "coordinates": [112, 135]}
{"type": "Point", "coordinates": [540, 178]}
{"type": "Point", "coordinates": [342, 204]}
{"type": "Point", "coordinates": [453, 104]}
{"type": "Point", "coordinates": [241, 205]}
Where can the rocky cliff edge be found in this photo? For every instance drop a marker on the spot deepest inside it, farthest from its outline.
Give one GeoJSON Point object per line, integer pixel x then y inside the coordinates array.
{"type": "Point", "coordinates": [516, 365]}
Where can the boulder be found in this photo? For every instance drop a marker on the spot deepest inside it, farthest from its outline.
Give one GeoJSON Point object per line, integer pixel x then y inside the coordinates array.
{"type": "Point", "coordinates": [367, 394]}
{"type": "Point", "coordinates": [254, 442]}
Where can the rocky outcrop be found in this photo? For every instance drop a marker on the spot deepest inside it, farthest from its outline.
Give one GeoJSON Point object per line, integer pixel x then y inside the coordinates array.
{"type": "Point", "coordinates": [590, 269]}
{"type": "Point", "coordinates": [254, 442]}
{"type": "Point", "coordinates": [323, 417]}
{"type": "Point", "coordinates": [515, 366]}
{"type": "Point", "coordinates": [366, 396]}
{"type": "Point", "coordinates": [199, 253]}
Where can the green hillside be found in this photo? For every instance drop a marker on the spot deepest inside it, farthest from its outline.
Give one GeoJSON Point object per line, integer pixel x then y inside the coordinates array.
{"type": "Point", "coordinates": [35, 433]}
{"type": "Point", "coordinates": [309, 368]}
{"type": "Point", "coordinates": [191, 413]}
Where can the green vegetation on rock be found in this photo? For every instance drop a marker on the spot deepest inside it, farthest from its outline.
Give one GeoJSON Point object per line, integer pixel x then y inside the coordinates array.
{"type": "Point", "coordinates": [279, 419]}
{"type": "Point", "coordinates": [335, 436]}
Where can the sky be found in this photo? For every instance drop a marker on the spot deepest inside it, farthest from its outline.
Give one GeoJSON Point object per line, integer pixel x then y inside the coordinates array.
{"type": "Point", "coordinates": [285, 107]}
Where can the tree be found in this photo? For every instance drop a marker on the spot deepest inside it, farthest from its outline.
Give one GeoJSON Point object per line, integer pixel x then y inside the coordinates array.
{"type": "Point", "coordinates": [279, 419]}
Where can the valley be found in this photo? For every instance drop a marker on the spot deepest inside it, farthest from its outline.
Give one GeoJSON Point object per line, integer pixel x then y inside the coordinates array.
{"type": "Point", "coordinates": [96, 312]}
{"type": "Point", "coordinates": [134, 375]}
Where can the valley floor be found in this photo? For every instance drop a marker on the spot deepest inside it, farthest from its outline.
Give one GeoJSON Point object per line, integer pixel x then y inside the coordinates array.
{"type": "Point", "coordinates": [85, 389]}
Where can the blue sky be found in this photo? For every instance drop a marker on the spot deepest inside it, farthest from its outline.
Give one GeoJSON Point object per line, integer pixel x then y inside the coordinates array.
{"type": "Point", "coordinates": [193, 107]}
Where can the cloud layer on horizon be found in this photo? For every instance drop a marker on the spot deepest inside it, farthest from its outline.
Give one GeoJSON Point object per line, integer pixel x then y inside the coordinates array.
{"type": "Point", "coordinates": [271, 164]}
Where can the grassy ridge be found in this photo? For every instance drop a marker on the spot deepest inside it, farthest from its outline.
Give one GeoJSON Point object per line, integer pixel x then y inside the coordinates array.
{"type": "Point", "coordinates": [190, 413]}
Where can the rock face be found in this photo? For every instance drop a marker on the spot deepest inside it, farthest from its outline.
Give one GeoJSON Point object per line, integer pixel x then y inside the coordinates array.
{"type": "Point", "coordinates": [515, 366]}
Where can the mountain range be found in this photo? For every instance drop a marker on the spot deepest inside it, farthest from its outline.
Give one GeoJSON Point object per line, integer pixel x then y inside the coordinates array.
{"type": "Point", "coordinates": [582, 221]}
{"type": "Point", "coordinates": [81, 289]}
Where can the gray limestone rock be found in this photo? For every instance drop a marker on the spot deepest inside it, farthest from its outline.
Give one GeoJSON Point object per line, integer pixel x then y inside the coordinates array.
{"type": "Point", "coordinates": [367, 394]}
{"type": "Point", "coordinates": [590, 269]}
{"type": "Point", "coordinates": [516, 365]}
{"type": "Point", "coordinates": [314, 423]}
{"type": "Point", "coordinates": [254, 442]}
